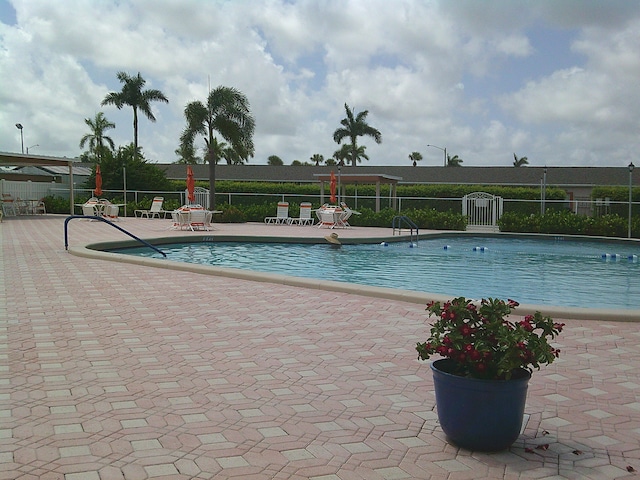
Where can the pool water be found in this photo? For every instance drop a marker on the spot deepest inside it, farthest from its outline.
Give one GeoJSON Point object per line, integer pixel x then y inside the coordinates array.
{"type": "Point", "coordinates": [535, 271]}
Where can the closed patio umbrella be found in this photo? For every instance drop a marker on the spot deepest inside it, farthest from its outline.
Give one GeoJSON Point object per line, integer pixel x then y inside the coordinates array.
{"type": "Point", "coordinates": [191, 185]}
{"type": "Point", "coordinates": [98, 191]}
{"type": "Point", "coordinates": [332, 187]}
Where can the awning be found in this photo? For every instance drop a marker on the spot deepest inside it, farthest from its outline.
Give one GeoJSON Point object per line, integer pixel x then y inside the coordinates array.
{"type": "Point", "coordinates": [19, 160]}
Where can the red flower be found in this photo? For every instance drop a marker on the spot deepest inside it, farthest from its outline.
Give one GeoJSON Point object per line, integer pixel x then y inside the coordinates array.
{"type": "Point", "coordinates": [526, 324]}
{"type": "Point", "coordinates": [484, 341]}
{"type": "Point", "coordinates": [466, 330]}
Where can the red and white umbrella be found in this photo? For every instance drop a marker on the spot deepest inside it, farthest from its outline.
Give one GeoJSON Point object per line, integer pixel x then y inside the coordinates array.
{"type": "Point", "coordinates": [191, 185]}
{"type": "Point", "coordinates": [98, 190]}
{"type": "Point", "coordinates": [333, 187]}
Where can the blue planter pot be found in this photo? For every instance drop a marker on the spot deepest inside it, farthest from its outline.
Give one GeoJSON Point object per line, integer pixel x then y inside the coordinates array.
{"type": "Point", "coordinates": [480, 415]}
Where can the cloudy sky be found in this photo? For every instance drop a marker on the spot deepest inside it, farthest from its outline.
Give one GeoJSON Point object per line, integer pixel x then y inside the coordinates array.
{"type": "Point", "coordinates": [557, 81]}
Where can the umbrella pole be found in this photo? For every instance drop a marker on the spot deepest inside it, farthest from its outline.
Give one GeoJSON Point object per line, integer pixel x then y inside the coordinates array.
{"type": "Point", "coordinates": [124, 179]}
{"type": "Point", "coordinates": [339, 184]}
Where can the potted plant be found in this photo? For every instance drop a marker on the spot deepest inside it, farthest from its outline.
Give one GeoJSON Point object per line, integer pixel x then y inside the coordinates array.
{"type": "Point", "coordinates": [481, 383]}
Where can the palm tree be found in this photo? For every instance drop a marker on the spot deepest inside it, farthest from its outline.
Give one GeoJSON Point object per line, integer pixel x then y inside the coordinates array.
{"type": "Point", "coordinates": [99, 125]}
{"type": "Point", "coordinates": [132, 94]}
{"type": "Point", "coordinates": [317, 158]}
{"type": "Point", "coordinates": [347, 152]}
{"type": "Point", "coordinates": [218, 151]}
{"type": "Point", "coordinates": [416, 157]}
{"type": "Point", "coordinates": [187, 155]}
{"type": "Point", "coordinates": [519, 162]}
{"type": "Point", "coordinates": [227, 113]}
{"type": "Point", "coordinates": [353, 128]}
{"type": "Point", "coordinates": [454, 161]}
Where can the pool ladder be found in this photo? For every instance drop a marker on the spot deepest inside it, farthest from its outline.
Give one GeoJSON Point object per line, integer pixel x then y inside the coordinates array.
{"type": "Point", "coordinates": [400, 220]}
{"type": "Point", "coordinates": [71, 217]}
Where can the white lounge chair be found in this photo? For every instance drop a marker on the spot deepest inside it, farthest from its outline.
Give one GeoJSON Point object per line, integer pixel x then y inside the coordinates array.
{"type": "Point", "coordinates": [155, 210]}
{"type": "Point", "coordinates": [305, 215]}
{"type": "Point", "coordinates": [282, 215]}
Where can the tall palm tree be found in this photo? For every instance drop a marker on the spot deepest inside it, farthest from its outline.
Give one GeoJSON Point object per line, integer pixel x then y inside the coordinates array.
{"type": "Point", "coordinates": [519, 162]}
{"type": "Point", "coordinates": [132, 94]}
{"type": "Point", "coordinates": [218, 151]}
{"type": "Point", "coordinates": [227, 113]}
{"type": "Point", "coordinates": [317, 158]}
{"type": "Point", "coordinates": [415, 157]}
{"type": "Point", "coordinates": [98, 125]}
{"type": "Point", "coordinates": [354, 127]}
{"type": "Point", "coordinates": [454, 161]}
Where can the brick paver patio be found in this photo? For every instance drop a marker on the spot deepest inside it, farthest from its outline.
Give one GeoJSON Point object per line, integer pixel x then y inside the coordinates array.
{"type": "Point", "coordinates": [118, 371]}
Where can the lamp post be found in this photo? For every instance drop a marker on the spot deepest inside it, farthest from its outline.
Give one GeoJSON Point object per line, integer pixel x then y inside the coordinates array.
{"type": "Point", "coordinates": [36, 145]}
{"type": "Point", "coordinates": [543, 206]}
{"type": "Point", "coordinates": [443, 149]}
{"type": "Point", "coordinates": [19, 127]}
{"type": "Point", "coordinates": [631, 166]}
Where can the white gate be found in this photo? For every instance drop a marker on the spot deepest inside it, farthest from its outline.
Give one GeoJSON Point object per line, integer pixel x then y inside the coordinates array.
{"type": "Point", "coordinates": [482, 209]}
{"type": "Point", "coordinates": [202, 196]}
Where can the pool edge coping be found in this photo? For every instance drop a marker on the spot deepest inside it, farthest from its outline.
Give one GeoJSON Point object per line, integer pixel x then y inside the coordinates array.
{"type": "Point", "coordinates": [605, 314]}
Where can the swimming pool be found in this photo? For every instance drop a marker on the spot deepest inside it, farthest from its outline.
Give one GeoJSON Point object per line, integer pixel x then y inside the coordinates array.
{"type": "Point", "coordinates": [556, 271]}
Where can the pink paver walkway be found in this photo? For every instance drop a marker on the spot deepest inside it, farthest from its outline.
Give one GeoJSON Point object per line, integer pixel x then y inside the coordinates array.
{"type": "Point", "coordinates": [118, 371]}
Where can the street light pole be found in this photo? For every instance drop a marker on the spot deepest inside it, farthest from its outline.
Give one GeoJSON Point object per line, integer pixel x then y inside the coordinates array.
{"type": "Point", "coordinates": [443, 149]}
{"type": "Point", "coordinates": [543, 206]}
{"type": "Point", "coordinates": [19, 127]}
{"type": "Point", "coordinates": [631, 166]}
{"type": "Point", "coordinates": [36, 145]}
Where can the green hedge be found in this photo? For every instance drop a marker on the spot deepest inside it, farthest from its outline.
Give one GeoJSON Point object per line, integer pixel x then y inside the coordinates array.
{"type": "Point", "coordinates": [570, 224]}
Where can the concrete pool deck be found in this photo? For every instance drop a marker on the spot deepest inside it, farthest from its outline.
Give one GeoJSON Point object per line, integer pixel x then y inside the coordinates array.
{"type": "Point", "coordinates": [123, 371]}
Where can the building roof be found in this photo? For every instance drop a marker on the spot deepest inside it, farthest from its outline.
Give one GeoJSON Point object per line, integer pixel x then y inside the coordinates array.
{"type": "Point", "coordinates": [508, 176]}
{"type": "Point", "coordinates": [19, 159]}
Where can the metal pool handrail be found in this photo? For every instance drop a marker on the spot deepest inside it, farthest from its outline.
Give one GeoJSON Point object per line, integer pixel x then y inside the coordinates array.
{"type": "Point", "coordinates": [71, 217]}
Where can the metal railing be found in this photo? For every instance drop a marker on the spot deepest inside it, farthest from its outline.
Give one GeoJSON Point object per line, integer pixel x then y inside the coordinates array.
{"type": "Point", "coordinates": [399, 220]}
{"type": "Point", "coordinates": [71, 217]}
{"type": "Point", "coordinates": [578, 205]}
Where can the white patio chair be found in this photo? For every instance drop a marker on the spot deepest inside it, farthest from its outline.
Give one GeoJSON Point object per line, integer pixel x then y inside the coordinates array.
{"type": "Point", "coordinates": [305, 215]}
{"type": "Point", "coordinates": [111, 212]}
{"type": "Point", "coordinates": [200, 219]}
{"type": "Point", "coordinates": [282, 215]}
{"type": "Point", "coordinates": [343, 221]}
{"type": "Point", "coordinates": [8, 205]}
{"type": "Point", "coordinates": [40, 207]}
{"type": "Point", "coordinates": [89, 208]}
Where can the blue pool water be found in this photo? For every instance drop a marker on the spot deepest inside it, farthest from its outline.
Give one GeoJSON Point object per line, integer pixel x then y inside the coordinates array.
{"type": "Point", "coordinates": [545, 272]}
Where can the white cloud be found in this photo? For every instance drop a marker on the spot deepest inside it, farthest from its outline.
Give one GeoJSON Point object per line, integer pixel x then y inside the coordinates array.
{"type": "Point", "coordinates": [456, 73]}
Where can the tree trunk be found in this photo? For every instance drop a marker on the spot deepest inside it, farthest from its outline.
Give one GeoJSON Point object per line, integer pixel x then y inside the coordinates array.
{"type": "Point", "coordinates": [212, 181]}
{"type": "Point", "coordinates": [135, 133]}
